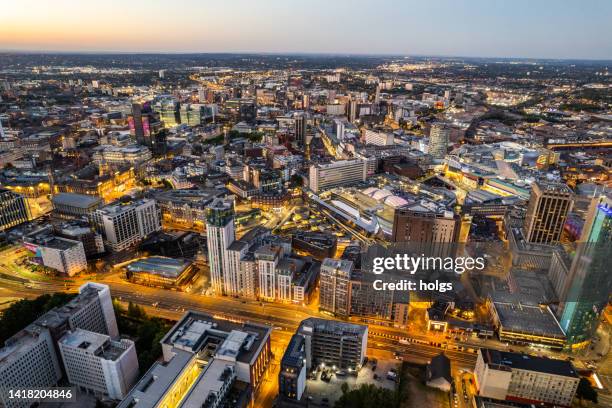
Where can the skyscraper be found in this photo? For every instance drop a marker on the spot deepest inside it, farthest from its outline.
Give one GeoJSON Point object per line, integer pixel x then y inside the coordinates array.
{"type": "Point", "coordinates": [1, 130]}
{"type": "Point", "coordinates": [137, 124]}
{"type": "Point", "coordinates": [220, 234]}
{"type": "Point", "coordinates": [438, 140]}
{"type": "Point", "coordinates": [548, 207]}
{"type": "Point", "coordinates": [300, 128]}
{"type": "Point", "coordinates": [589, 283]}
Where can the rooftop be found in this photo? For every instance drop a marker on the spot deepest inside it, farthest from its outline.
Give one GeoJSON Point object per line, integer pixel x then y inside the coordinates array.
{"type": "Point", "coordinates": [504, 360]}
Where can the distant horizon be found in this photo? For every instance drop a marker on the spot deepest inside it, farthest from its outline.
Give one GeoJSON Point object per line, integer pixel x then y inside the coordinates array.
{"type": "Point", "coordinates": [521, 29]}
{"type": "Point", "coordinates": [293, 53]}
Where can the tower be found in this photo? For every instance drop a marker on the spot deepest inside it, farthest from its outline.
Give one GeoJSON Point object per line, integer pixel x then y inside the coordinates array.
{"type": "Point", "coordinates": [1, 130]}
{"type": "Point", "coordinates": [588, 286]}
{"type": "Point", "coordinates": [549, 205]}
{"type": "Point", "coordinates": [438, 140]}
{"type": "Point", "coordinates": [220, 233]}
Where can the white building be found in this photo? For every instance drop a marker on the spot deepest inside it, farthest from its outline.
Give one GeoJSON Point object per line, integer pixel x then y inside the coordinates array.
{"type": "Point", "coordinates": [220, 234]}
{"type": "Point", "coordinates": [64, 255]}
{"type": "Point", "coordinates": [124, 225]}
{"type": "Point", "coordinates": [133, 154]}
{"type": "Point", "coordinates": [267, 260]}
{"type": "Point", "coordinates": [29, 358]}
{"type": "Point", "coordinates": [526, 379]}
{"type": "Point", "coordinates": [97, 364]}
{"type": "Point", "coordinates": [338, 173]}
{"type": "Point", "coordinates": [372, 137]}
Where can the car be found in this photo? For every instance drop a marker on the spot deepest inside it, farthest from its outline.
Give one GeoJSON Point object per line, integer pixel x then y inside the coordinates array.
{"type": "Point", "coordinates": [374, 367]}
{"type": "Point", "coordinates": [340, 373]}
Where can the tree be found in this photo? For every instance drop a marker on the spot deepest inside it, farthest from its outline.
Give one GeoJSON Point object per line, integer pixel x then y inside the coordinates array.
{"type": "Point", "coordinates": [585, 391]}
{"type": "Point", "coordinates": [25, 311]}
{"type": "Point", "coordinates": [135, 311]}
{"type": "Point", "coordinates": [366, 396]}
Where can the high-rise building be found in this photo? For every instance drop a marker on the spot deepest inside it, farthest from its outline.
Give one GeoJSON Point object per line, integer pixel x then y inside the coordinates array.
{"type": "Point", "coordinates": [95, 363]}
{"type": "Point", "coordinates": [335, 282]}
{"type": "Point", "coordinates": [338, 173]}
{"type": "Point", "coordinates": [522, 378]}
{"type": "Point", "coordinates": [138, 126]}
{"type": "Point", "coordinates": [333, 343]}
{"type": "Point", "coordinates": [300, 128]}
{"type": "Point", "coordinates": [29, 359]}
{"type": "Point", "coordinates": [124, 225]}
{"type": "Point", "coordinates": [220, 233]}
{"type": "Point", "coordinates": [292, 374]}
{"type": "Point", "coordinates": [588, 284]}
{"type": "Point", "coordinates": [439, 137]}
{"type": "Point", "coordinates": [352, 110]}
{"type": "Point", "coordinates": [14, 209]}
{"type": "Point", "coordinates": [549, 205]}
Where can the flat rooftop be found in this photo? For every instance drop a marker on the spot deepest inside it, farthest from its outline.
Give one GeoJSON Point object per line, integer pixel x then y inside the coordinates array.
{"type": "Point", "coordinates": [239, 341]}
{"type": "Point", "coordinates": [76, 200]}
{"type": "Point", "coordinates": [159, 265]}
{"type": "Point", "coordinates": [536, 320]}
{"type": "Point", "coordinates": [505, 360]}
{"type": "Point", "coordinates": [93, 343]}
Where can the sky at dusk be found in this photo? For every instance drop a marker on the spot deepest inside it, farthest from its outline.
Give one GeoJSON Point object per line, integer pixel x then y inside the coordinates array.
{"type": "Point", "coordinates": [489, 28]}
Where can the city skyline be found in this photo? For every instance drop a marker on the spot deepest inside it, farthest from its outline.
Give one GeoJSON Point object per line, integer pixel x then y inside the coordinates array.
{"type": "Point", "coordinates": [544, 30]}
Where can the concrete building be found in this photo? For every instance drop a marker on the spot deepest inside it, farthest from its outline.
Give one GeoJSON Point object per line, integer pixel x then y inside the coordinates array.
{"type": "Point", "coordinates": [525, 379]}
{"type": "Point", "coordinates": [124, 225]}
{"type": "Point", "coordinates": [292, 374]}
{"type": "Point", "coordinates": [72, 205]}
{"type": "Point", "coordinates": [220, 234]}
{"type": "Point", "coordinates": [203, 359]}
{"type": "Point", "coordinates": [99, 365]}
{"type": "Point", "coordinates": [549, 205]}
{"type": "Point", "coordinates": [425, 222]}
{"type": "Point", "coordinates": [29, 359]}
{"type": "Point", "coordinates": [378, 138]}
{"type": "Point", "coordinates": [333, 343]}
{"type": "Point", "coordinates": [338, 173]}
{"type": "Point", "coordinates": [64, 255]}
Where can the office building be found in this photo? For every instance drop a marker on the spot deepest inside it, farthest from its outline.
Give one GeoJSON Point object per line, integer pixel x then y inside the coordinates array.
{"type": "Point", "coordinates": [439, 137]}
{"type": "Point", "coordinates": [525, 379]}
{"type": "Point", "coordinates": [132, 155]}
{"type": "Point", "coordinates": [588, 285]}
{"type": "Point", "coordinates": [335, 174]}
{"type": "Point", "coordinates": [14, 209]}
{"type": "Point", "coordinates": [220, 233]}
{"type": "Point", "coordinates": [334, 286]}
{"type": "Point", "coordinates": [300, 128]}
{"type": "Point", "coordinates": [72, 205]}
{"type": "Point", "coordinates": [333, 343]}
{"type": "Point", "coordinates": [547, 211]}
{"type": "Point", "coordinates": [378, 138]}
{"type": "Point", "coordinates": [185, 210]}
{"type": "Point", "coordinates": [425, 222]}
{"type": "Point", "coordinates": [29, 359]}
{"type": "Point", "coordinates": [292, 375]}
{"type": "Point", "coordinates": [203, 359]}
{"type": "Point", "coordinates": [123, 225]}
{"type": "Point", "coordinates": [64, 255]}
{"type": "Point", "coordinates": [160, 271]}
{"type": "Point", "coordinates": [97, 364]}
